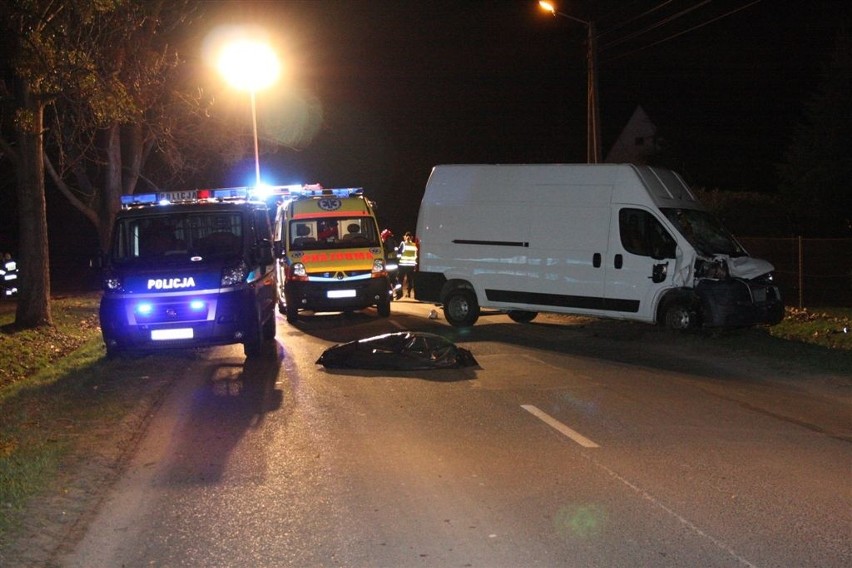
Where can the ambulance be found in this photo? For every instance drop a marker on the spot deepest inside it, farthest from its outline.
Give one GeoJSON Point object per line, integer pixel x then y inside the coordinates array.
{"type": "Point", "coordinates": [330, 254]}
{"type": "Point", "coordinates": [189, 269]}
{"type": "Point", "coordinates": [614, 241]}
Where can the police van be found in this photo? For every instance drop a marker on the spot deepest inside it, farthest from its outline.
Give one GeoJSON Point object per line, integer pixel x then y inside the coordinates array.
{"type": "Point", "coordinates": [616, 241]}
{"type": "Point", "coordinates": [188, 269]}
{"type": "Point", "coordinates": [330, 254]}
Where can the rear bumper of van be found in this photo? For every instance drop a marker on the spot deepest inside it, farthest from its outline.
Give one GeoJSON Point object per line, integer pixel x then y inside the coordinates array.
{"type": "Point", "coordinates": [337, 296]}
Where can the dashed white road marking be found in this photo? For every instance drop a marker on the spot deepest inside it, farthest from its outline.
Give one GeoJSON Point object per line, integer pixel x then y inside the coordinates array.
{"type": "Point", "coordinates": [587, 443]}
{"type": "Point", "coordinates": [559, 426]}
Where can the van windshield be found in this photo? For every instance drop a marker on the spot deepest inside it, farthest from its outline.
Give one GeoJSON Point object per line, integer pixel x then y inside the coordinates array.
{"type": "Point", "coordinates": [704, 231]}
{"type": "Point", "coordinates": [338, 233]}
{"type": "Point", "coordinates": [177, 238]}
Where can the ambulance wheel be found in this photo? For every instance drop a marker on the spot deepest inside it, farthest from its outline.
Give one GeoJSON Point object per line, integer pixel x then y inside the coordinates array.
{"type": "Point", "coordinates": [292, 313]}
{"type": "Point", "coordinates": [521, 316]}
{"type": "Point", "coordinates": [383, 308]}
{"type": "Point", "coordinates": [460, 308]}
{"type": "Point", "coordinates": [680, 316]}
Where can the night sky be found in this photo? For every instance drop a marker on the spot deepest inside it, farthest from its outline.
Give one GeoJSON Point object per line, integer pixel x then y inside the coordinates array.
{"type": "Point", "coordinates": [377, 92]}
{"type": "Point", "coordinates": [404, 85]}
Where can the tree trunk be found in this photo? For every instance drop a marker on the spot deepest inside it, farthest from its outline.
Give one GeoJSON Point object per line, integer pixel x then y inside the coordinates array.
{"type": "Point", "coordinates": [34, 263]}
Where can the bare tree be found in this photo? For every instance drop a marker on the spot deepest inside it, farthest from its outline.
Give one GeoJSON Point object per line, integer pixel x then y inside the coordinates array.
{"type": "Point", "coordinates": [94, 100]}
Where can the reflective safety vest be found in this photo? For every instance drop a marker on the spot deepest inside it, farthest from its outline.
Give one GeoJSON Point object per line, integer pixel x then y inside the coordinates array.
{"type": "Point", "coordinates": [409, 254]}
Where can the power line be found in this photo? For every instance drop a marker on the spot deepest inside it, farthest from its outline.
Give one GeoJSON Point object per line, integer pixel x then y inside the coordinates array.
{"type": "Point", "coordinates": [653, 26]}
{"type": "Point", "coordinates": [674, 35]}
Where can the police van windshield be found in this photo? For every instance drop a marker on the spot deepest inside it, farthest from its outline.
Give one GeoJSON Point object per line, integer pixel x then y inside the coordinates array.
{"type": "Point", "coordinates": [704, 231]}
{"type": "Point", "coordinates": [306, 234]}
{"type": "Point", "coordinates": [177, 238]}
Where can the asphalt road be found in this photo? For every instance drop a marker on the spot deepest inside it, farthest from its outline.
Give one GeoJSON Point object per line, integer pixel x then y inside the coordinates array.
{"type": "Point", "coordinates": [568, 446]}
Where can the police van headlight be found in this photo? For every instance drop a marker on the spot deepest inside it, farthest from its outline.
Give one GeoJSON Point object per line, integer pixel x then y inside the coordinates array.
{"type": "Point", "coordinates": [234, 275]}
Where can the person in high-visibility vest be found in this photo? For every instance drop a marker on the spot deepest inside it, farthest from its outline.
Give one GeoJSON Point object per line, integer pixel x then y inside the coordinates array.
{"type": "Point", "coordinates": [407, 262]}
{"type": "Point", "coordinates": [391, 254]}
{"type": "Point", "coordinates": [8, 275]}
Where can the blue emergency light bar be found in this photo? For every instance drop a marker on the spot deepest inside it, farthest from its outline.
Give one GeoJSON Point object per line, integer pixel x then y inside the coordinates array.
{"type": "Point", "coordinates": [316, 190]}
{"type": "Point", "coordinates": [232, 193]}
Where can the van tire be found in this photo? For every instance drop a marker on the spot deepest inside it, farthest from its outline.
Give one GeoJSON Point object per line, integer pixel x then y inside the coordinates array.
{"type": "Point", "coordinates": [384, 308]}
{"type": "Point", "coordinates": [680, 316]}
{"type": "Point", "coordinates": [521, 316]}
{"type": "Point", "coordinates": [461, 308]}
{"type": "Point", "coordinates": [292, 313]}
{"type": "Point", "coordinates": [253, 345]}
{"type": "Point", "coordinates": [269, 327]}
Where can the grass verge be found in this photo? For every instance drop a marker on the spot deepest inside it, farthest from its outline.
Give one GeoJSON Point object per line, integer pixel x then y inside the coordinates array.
{"type": "Point", "coordinates": [51, 393]}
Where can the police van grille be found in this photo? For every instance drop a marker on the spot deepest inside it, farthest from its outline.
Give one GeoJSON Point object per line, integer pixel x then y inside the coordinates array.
{"type": "Point", "coordinates": [171, 313]}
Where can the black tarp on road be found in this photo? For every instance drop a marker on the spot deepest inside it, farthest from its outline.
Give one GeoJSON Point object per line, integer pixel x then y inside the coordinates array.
{"type": "Point", "coordinates": [402, 351]}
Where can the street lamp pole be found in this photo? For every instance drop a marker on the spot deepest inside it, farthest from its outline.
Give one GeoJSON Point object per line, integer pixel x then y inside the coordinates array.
{"type": "Point", "coordinates": [250, 66]}
{"type": "Point", "coordinates": [256, 147]}
{"type": "Point", "coordinates": [593, 118]}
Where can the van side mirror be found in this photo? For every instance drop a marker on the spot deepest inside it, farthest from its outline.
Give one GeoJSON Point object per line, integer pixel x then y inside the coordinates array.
{"type": "Point", "coordinates": [658, 273]}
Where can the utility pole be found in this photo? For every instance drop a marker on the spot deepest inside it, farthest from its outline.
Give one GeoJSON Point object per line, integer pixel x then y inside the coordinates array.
{"type": "Point", "coordinates": [593, 115]}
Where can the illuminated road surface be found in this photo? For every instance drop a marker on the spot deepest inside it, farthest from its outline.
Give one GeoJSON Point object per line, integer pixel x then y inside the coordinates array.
{"type": "Point", "coordinates": [569, 446]}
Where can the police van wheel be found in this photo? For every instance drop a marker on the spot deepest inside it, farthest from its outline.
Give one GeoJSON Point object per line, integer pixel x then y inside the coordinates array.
{"type": "Point", "coordinates": [253, 345]}
{"type": "Point", "coordinates": [521, 316]}
{"type": "Point", "coordinates": [461, 308]}
{"type": "Point", "coordinates": [269, 327]}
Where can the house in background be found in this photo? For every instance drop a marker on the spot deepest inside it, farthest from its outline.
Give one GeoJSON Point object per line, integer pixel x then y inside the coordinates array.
{"type": "Point", "coordinates": [637, 141]}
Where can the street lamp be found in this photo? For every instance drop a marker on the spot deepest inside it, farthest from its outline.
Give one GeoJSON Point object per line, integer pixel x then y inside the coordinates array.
{"type": "Point", "coordinates": [593, 118]}
{"type": "Point", "coordinates": [250, 66]}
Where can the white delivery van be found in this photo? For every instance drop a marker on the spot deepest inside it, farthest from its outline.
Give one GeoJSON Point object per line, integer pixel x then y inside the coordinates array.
{"type": "Point", "coordinates": [615, 241]}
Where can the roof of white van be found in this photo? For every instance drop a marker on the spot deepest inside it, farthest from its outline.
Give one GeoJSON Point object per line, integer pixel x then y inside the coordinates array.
{"type": "Point", "coordinates": [664, 187]}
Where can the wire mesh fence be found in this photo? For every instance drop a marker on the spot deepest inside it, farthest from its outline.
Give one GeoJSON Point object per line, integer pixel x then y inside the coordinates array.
{"type": "Point", "coordinates": [810, 272]}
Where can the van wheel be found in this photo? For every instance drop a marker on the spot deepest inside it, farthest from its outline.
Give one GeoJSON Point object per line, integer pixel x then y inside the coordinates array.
{"type": "Point", "coordinates": [269, 327]}
{"type": "Point", "coordinates": [253, 345]}
{"type": "Point", "coordinates": [383, 308]}
{"type": "Point", "coordinates": [521, 316]}
{"type": "Point", "coordinates": [461, 308]}
{"type": "Point", "coordinates": [680, 316]}
{"type": "Point", "coordinates": [292, 313]}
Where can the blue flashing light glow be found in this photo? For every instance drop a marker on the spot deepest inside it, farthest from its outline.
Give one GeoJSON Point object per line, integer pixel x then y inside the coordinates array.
{"type": "Point", "coordinates": [140, 199]}
{"type": "Point", "coordinates": [197, 305]}
{"type": "Point", "coordinates": [144, 308]}
{"type": "Point", "coordinates": [262, 191]}
{"type": "Point", "coordinates": [231, 193]}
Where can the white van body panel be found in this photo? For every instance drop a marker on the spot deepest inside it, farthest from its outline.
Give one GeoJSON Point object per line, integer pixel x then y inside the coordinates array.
{"type": "Point", "coordinates": [549, 238]}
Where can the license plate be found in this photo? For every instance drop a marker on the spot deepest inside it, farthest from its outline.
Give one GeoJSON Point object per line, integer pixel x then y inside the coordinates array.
{"type": "Point", "coordinates": [341, 294]}
{"type": "Point", "coordinates": [167, 334]}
